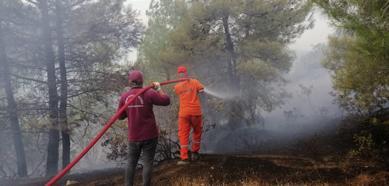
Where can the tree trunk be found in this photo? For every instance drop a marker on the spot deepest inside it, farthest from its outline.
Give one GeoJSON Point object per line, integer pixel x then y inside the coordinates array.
{"type": "Point", "coordinates": [231, 52]}
{"type": "Point", "coordinates": [12, 111]}
{"type": "Point", "coordinates": [53, 144]}
{"type": "Point", "coordinates": [64, 86]}
{"type": "Point", "coordinates": [167, 73]}
{"type": "Point", "coordinates": [235, 110]}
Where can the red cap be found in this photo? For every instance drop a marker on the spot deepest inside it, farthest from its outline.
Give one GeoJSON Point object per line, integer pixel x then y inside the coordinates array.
{"type": "Point", "coordinates": [181, 69]}
{"type": "Point", "coordinates": [135, 76]}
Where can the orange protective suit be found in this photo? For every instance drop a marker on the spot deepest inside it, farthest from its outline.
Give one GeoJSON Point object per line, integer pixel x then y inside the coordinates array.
{"type": "Point", "coordinates": [189, 116]}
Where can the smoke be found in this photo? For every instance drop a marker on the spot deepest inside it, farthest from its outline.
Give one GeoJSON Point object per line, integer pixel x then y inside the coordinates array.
{"type": "Point", "coordinates": [310, 85]}
{"type": "Point", "coordinates": [309, 110]}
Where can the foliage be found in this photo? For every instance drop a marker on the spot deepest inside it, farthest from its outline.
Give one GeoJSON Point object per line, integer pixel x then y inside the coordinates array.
{"type": "Point", "coordinates": [365, 146]}
{"type": "Point", "coordinates": [238, 45]}
{"type": "Point", "coordinates": [97, 35]}
{"type": "Point", "coordinates": [358, 56]}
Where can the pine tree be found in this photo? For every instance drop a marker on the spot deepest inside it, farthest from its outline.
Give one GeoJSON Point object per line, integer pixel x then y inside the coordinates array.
{"type": "Point", "coordinates": [237, 44]}
{"type": "Point", "coordinates": [358, 57]}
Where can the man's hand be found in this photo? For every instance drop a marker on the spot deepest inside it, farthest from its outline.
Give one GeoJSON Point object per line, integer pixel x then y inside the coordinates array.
{"type": "Point", "coordinates": [157, 86]}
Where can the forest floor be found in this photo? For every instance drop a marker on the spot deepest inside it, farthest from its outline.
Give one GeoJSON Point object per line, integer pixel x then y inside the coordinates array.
{"type": "Point", "coordinates": [247, 170]}
{"type": "Point", "coordinates": [315, 160]}
{"type": "Point", "coordinates": [251, 170]}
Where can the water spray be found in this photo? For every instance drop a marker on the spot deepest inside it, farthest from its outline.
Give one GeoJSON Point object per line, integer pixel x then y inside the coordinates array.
{"type": "Point", "coordinates": [110, 122]}
{"type": "Point", "coordinates": [219, 94]}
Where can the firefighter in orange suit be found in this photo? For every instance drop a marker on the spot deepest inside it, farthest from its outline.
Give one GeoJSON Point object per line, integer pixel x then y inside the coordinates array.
{"type": "Point", "coordinates": [189, 116]}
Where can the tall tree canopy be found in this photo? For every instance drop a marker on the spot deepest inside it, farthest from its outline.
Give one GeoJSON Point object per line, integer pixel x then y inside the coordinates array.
{"type": "Point", "coordinates": [61, 59]}
{"type": "Point", "coordinates": [358, 56]}
{"type": "Point", "coordinates": [239, 45]}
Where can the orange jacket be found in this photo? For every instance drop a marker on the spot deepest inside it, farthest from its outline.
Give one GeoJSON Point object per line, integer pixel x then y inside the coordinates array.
{"type": "Point", "coordinates": [189, 98]}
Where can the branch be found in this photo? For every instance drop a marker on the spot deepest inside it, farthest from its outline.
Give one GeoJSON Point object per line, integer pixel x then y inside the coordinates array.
{"type": "Point", "coordinates": [34, 109]}
{"type": "Point", "coordinates": [85, 92]}
{"type": "Point", "coordinates": [36, 131]}
{"type": "Point", "coordinates": [33, 2]}
{"type": "Point", "coordinates": [77, 3]}
{"type": "Point", "coordinates": [84, 111]}
{"type": "Point", "coordinates": [77, 70]}
{"type": "Point", "coordinates": [39, 165]}
{"type": "Point", "coordinates": [84, 80]}
{"type": "Point", "coordinates": [29, 79]}
{"type": "Point", "coordinates": [16, 64]}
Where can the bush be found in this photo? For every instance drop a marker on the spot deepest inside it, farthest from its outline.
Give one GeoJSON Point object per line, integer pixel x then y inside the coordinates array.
{"type": "Point", "coordinates": [370, 139]}
{"type": "Point", "coordinates": [364, 146]}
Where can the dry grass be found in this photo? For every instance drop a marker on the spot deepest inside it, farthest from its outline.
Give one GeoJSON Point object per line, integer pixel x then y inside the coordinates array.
{"type": "Point", "coordinates": [380, 178]}
{"type": "Point", "coordinates": [255, 170]}
{"type": "Point", "coordinates": [244, 182]}
{"type": "Point", "coordinates": [185, 181]}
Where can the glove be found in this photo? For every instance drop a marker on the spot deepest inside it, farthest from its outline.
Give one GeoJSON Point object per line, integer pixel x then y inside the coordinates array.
{"type": "Point", "coordinates": [157, 86]}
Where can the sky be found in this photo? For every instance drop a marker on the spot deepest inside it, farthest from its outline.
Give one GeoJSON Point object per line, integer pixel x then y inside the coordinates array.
{"type": "Point", "coordinates": [318, 34]}
{"type": "Point", "coordinates": [141, 6]}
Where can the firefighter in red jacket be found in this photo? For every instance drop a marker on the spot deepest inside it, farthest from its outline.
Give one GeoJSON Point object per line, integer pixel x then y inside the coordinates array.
{"type": "Point", "coordinates": [142, 128]}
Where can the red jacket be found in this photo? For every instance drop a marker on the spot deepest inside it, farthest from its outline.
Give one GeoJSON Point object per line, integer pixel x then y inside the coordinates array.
{"type": "Point", "coordinates": [141, 120]}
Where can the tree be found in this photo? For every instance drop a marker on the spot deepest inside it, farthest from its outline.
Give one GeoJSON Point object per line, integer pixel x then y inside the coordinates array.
{"type": "Point", "coordinates": [241, 45]}
{"type": "Point", "coordinates": [63, 100]}
{"type": "Point", "coordinates": [163, 17]}
{"type": "Point", "coordinates": [53, 144]}
{"type": "Point", "coordinates": [62, 64]}
{"type": "Point", "coordinates": [12, 109]}
{"type": "Point", "coordinates": [6, 33]}
{"type": "Point", "coordinates": [358, 56]}
{"type": "Point", "coordinates": [106, 33]}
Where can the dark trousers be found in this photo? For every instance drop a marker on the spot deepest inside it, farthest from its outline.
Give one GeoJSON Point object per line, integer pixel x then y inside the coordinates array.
{"type": "Point", "coordinates": [146, 147]}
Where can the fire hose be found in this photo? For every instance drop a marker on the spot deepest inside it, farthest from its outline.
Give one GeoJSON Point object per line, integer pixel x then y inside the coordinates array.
{"type": "Point", "coordinates": [110, 122]}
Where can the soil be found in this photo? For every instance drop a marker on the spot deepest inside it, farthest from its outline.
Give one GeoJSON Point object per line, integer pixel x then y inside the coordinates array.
{"type": "Point", "coordinates": [246, 170]}
{"type": "Point", "coordinates": [241, 170]}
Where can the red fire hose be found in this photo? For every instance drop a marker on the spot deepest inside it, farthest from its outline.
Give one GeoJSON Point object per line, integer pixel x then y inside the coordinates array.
{"type": "Point", "coordinates": [110, 122]}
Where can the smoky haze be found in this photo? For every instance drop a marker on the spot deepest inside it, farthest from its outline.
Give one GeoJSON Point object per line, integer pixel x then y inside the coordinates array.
{"type": "Point", "coordinates": [309, 109]}
{"type": "Point", "coordinates": [301, 115]}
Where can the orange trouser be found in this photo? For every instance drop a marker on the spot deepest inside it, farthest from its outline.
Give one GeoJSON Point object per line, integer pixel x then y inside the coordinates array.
{"type": "Point", "coordinates": [184, 126]}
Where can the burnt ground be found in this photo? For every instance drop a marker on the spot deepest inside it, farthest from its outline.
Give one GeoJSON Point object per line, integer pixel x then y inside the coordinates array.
{"type": "Point", "coordinates": [266, 170]}
{"type": "Point", "coordinates": [243, 170]}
